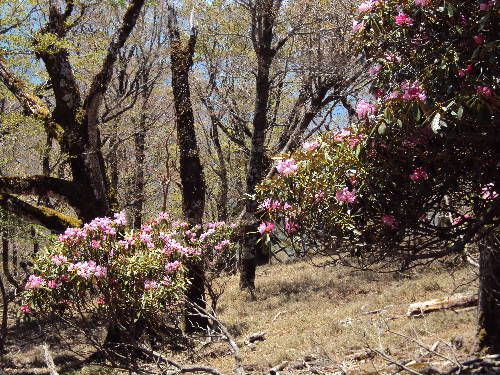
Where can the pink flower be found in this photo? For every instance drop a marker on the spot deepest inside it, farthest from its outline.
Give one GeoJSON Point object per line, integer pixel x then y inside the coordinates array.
{"type": "Point", "coordinates": [34, 282]}
{"type": "Point", "coordinates": [403, 19]}
{"type": "Point", "coordinates": [319, 196]}
{"type": "Point", "coordinates": [311, 145]}
{"type": "Point", "coordinates": [150, 284]}
{"type": "Point", "coordinates": [480, 38]}
{"type": "Point", "coordinates": [483, 90]}
{"type": "Point", "coordinates": [100, 272]}
{"type": "Point", "coordinates": [394, 95]}
{"type": "Point", "coordinates": [52, 284]}
{"type": "Point", "coordinates": [392, 57]}
{"type": "Point", "coordinates": [488, 192]}
{"type": "Point", "coordinates": [344, 195]}
{"type": "Point", "coordinates": [354, 140]}
{"type": "Point", "coordinates": [339, 136]}
{"type": "Point", "coordinates": [64, 278]}
{"type": "Point", "coordinates": [357, 25]}
{"type": "Point", "coordinates": [100, 301]}
{"type": "Point", "coordinates": [367, 5]}
{"type": "Point", "coordinates": [419, 173]}
{"type": "Point", "coordinates": [287, 167]}
{"type": "Point", "coordinates": [25, 309]}
{"type": "Point", "coordinates": [364, 109]}
{"type": "Point", "coordinates": [266, 227]}
{"type": "Point", "coordinates": [291, 226]}
{"type": "Point", "coordinates": [120, 218]}
{"type": "Point", "coordinates": [422, 3]}
{"type": "Point", "coordinates": [221, 244]}
{"type": "Point", "coordinates": [458, 220]}
{"type": "Point", "coordinates": [488, 5]}
{"type": "Point", "coordinates": [59, 259]}
{"type": "Point", "coordinates": [95, 244]}
{"type": "Point", "coordinates": [173, 266]}
{"type": "Point", "coordinates": [390, 221]}
{"type": "Point", "coordinates": [374, 69]}
{"type": "Point", "coordinates": [464, 72]}
{"type": "Point", "coordinates": [413, 91]}
{"type": "Point", "coordinates": [378, 93]}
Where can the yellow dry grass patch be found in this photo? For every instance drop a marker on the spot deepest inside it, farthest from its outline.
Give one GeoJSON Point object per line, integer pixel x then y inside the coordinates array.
{"type": "Point", "coordinates": [319, 312]}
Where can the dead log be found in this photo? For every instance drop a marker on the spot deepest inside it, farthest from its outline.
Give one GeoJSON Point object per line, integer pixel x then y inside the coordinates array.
{"type": "Point", "coordinates": [456, 300]}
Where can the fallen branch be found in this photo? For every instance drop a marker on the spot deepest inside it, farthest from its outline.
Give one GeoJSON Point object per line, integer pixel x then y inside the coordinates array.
{"type": "Point", "coordinates": [457, 300]}
{"type": "Point", "coordinates": [48, 360]}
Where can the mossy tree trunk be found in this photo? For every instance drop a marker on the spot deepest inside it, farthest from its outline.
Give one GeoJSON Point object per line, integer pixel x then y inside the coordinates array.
{"type": "Point", "coordinates": [191, 171]}
{"type": "Point", "coordinates": [489, 296]}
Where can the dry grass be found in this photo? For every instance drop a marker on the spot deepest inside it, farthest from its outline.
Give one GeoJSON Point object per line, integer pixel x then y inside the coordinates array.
{"type": "Point", "coordinates": [318, 312]}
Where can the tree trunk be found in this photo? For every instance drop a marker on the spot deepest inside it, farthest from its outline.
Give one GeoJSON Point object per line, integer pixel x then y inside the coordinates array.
{"type": "Point", "coordinates": [489, 296]}
{"type": "Point", "coordinates": [138, 193]}
{"type": "Point", "coordinates": [3, 329]}
{"type": "Point", "coordinates": [191, 171]}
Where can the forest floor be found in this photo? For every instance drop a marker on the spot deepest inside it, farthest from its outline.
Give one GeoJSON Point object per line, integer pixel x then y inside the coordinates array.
{"type": "Point", "coordinates": [317, 320]}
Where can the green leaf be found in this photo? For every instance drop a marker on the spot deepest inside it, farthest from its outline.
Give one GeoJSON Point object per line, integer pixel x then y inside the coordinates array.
{"type": "Point", "coordinates": [382, 128]}
{"type": "Point", "coordinates": [460, 112]}
{"type": "Point", "coordinates": [435, 124]}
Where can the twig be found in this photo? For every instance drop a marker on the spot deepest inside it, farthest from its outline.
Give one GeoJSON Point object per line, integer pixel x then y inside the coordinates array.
{"type": "Point", "coordinates": [275, 369]}
{"type": "Point", "coordinates": [389, 359]}
{"type": "Point", "coordinates": [423, 346]}
{"type": "Point", "coordinates": [48, 360]}
{"type": "Point", "coordinates": [232, 343]}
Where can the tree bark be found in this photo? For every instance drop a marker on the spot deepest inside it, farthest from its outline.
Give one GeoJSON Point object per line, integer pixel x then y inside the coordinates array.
{"type": "Point", "coordinates": [3, 328]}
{"type": "Point", "coordinates": [191, 171]}
{"type": "Point", "coordinates": [489, 296]}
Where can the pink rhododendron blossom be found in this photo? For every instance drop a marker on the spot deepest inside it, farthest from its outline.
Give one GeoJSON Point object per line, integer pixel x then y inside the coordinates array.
{"type": "Point", "coordinates": [270, 204]}
{"type": "Point", "coordinates": [64, 278]}
{"type": "Point", "coordinates": [287, 206]}
{"type": "Point", "coordinates": [120, 218]}
{"type": "Point", "coordinates": [59, 259]}
{"type": "Point", "coordinates": [52, 284]}
{"type": "Point", "coordinates": [378, 93]}
{"type": "Point", "coordinates": [367, 5]}
{"type": "Point", "coordinates": [319, 196]}
{"type": "Point", "coordinates": [311, 145]}
{"type": "Point", "coordinates": [100, 271]}
{"type": "Point", "coordinates": [100, 301]}
{"type": "Point", "coordinates": [339, 136]}
{"type": "Point", "coordinates": [390, 221]}
{"type": "Point", "coordinates": [216, 224]}
{"type": "Point", "coordinates": [422, 3]}
{"type": "Point", "coordinates": [392, 57]}
{"type": "Point", "coordinates": [291, 226]}
{"type": "Point", "coordinates": [357, 25]}
{"type": "Point", "coordinates": [374, 69]}
{"type": "Point", "coordinates": [419, 173]}
{"type": "Point", "coordinates": [95, 244]}
{"type": "Point", "coordinates": [34, 282]}
{"type": "Point", "coordinates": [403, 19]}
{"type": "Point", "coordinates": [394, 95]}
{"type": "Point", "coordinates": [364, 109]}
{"type": "Point", "coordinates": [344, 195]}
{"type": "Point", "coordinates": [413, 91]}
{"type": "Point", "coordinates": [25, 309]}
{"type": "Point", "coordinates": [173, 266]}
{"type": "Point", "coordinates": [459, 219]}
{"type": "Point", "coordinates": [207, 234]}
{"type": "Point", "coordinates": [287, 167]}
{"type": "Point", "coordinates": [266, 227]}
{"type": "Point", "coordinates": [355, 139]}
{"type": "Point", "coordinates": [150, 284]}
{"type": "Point", "coordinates": [488, 192]}
{"type": "Point", "coordinates": [221, 244]}
{"type": "Point", "coordinates": [480, 38]}
{"type": "Point", "coordinates": [483, 91]}
{"type": "Point", "coordinates": [464, 72]}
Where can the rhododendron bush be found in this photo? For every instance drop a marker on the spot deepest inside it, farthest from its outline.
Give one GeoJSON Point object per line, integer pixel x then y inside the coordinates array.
{"type": "Point", "coordinates": [417, 177]}
{"type": "Point", "coordinates": [109, 274]}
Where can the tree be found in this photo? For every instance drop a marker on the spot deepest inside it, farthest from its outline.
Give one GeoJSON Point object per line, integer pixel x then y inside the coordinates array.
{"type": "Point", "coordinates": [73, 123]}
{"type": "Point", "coordinates": [191, 171]}
{"type": "Point", "coordinates": [416, 178]}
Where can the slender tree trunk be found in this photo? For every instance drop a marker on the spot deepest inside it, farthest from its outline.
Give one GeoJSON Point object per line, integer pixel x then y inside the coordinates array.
{"type": "Point", "coordinates": [3, 329]}
{"type": "Point", "coordinates": [489, 296]}
{"type": "Point", "coordinates": [138, 194]}
{"type": "Point", "coordinates": [191, 171]}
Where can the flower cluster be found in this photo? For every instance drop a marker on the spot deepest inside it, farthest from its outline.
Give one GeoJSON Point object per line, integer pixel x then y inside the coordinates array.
{"type": "Point", "coordinates": [287, 167]}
